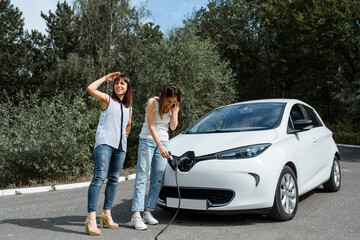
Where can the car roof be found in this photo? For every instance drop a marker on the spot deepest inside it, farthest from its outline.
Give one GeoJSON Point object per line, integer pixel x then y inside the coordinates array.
{"type": "Point", "coordinates": [278, 100]}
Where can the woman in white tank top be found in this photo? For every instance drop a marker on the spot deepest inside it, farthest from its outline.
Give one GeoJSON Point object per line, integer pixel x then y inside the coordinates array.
{"type": "Point", "coordinates": [161, 113]}
{"type": "Point", "coordinates": [110, 146]}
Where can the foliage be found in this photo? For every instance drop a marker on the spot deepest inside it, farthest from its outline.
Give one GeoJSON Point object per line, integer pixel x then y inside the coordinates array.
{"type": "Point", "coordinates": [233, 26]}
{"type": "Point", "coordinates": [72, 75]}
{"type": "Point", "coordinates": [39, 61]}
{"type": "Point", "coordinates": [291, 49]}
{"type": "Point", "coordinates": [44, 139]}
{"type": "Point", "coordinates": [345, 133]}
{"type": "Point", "coordinates": [109, 33]}
{"type": "Point", "coordinates": [150, 33]}
{"type": "Point", "coordinates": [63, 35]}
{"type": "Point", "coordinates": [194, 66]}
{"type": "Point", "coordinates": [12, 50]}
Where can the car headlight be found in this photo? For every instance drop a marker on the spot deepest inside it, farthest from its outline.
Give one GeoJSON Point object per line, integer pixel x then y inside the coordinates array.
{"type": "Point", "coordinates": [243, 152]}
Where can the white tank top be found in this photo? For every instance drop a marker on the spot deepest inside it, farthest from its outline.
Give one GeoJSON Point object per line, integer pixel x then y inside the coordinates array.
{"type": "Point", "coordinates": [109, 129]}
{"type": "Point", "coordinates": [161, 125]}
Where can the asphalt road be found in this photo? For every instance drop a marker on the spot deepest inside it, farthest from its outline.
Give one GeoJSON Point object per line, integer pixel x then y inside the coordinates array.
{"type": "Point", "coordinates": [61, 215]}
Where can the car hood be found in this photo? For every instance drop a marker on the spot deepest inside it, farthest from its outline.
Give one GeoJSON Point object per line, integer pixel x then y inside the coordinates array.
{"type": "Point", "coordinates": [203, 144]}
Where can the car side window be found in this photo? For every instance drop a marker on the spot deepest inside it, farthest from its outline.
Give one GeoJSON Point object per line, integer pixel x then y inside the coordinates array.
{"type": "Point", "coordinates": [295, 114]}
{"type": "Point", "coordinates": [312, 116]}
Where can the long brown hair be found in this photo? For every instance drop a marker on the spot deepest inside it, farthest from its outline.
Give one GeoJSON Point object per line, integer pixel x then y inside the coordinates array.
{"type": "Point", "coordinates": [169, 90]}
{"type": "Point", "coordinates": [127, 100]}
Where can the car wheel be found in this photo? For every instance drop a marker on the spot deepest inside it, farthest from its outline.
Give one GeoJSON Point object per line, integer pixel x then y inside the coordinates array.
{"type": "Point", "coordinates": [334, 182]}
{"type": "Point", "coordinates": [286, 196]}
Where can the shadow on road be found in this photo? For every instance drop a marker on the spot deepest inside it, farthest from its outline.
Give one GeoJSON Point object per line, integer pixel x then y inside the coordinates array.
{"type": "Point", "coordinates": [66, 224]}
{"type": "Point", "coordinates": [207, 220]}
{"type": "Point", "coordinates": [122, 214]}
{"type": "Point", "coordinates": [309, 194]}
{"type": "Point", "coordinates": [58, 224]}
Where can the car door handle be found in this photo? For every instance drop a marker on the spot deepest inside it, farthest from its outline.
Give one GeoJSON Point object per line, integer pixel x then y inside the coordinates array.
{"type": "Point", "coordinates": [314, 140]}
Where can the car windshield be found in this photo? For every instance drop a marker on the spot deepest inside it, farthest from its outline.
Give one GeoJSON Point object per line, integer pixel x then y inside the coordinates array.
{"type": "Point", "coordinates": [240, 117]}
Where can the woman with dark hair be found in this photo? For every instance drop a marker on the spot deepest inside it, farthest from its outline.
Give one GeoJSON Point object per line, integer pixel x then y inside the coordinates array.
{"type": "Point", "coordinates": [110, 146]}
{"type": "Point", "coordinates": [161, 113]}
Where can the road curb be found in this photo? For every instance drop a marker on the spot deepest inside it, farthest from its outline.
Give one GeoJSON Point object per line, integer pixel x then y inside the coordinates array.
{"type": "Point", "coordinates": [19, 191]}
{"type": "Point", "coordinates": [347, 145]}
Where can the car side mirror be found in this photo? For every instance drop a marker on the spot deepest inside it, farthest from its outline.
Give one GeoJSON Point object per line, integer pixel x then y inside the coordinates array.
{"type": "Point", "coordinates": [303, 124]}
{"type": "Point", "coordinates": [300, 125]}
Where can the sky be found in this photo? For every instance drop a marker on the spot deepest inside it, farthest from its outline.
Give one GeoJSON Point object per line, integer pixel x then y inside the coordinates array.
{"type": "Point", "coordinates": [166, 13]}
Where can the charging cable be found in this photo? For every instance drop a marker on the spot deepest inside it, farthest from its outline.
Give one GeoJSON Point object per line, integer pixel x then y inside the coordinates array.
{"type": "Point", "coordinates": [178, 189]}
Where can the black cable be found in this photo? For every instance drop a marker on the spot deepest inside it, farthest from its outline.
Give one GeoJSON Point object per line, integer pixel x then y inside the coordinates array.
{"type": "Point", "coordinates": [177, 185]}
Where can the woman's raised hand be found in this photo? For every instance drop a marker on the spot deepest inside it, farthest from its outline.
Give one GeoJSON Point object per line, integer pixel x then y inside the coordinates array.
{"type": "Point", "coordinates": [111, 76]}
{"type": "Point", "coordinates": [176, 108]}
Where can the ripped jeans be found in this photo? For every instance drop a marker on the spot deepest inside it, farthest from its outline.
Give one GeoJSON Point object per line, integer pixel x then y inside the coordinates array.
{"type": "Point", "coordinates": [148, 155]}
{"type": "Point", "coordinates": [108, 161]}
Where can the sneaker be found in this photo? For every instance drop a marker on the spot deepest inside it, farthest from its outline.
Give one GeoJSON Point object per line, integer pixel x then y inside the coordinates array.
{"type": "Point", "coordinates": [138, 223]}
{"type": "Point", "coordinates": [148, 218]}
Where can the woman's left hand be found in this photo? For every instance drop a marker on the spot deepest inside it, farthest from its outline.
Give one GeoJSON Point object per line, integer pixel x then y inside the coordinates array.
{"type": "Point", "coordinates": [111, 76]}
{"type": "Point", "coordinates": [164, 153]}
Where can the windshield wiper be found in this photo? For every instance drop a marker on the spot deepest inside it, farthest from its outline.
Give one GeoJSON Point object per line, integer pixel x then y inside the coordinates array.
{"type": "Point", "coordinates": [223, 131]}
{"type": "Point", "coordinates": [230, 130]}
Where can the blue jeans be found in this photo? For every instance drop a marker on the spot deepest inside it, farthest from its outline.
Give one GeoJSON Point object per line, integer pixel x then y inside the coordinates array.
{"type": "Point", "coordinates": [148, 155]}
{"type": "Point", "coordinates": [107, 161]}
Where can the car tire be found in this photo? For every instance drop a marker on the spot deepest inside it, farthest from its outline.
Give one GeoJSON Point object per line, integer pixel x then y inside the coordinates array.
{"type": "Point", "coordinates": [334, 182]}
{"type": "Point", "coordinates": [286, 196]}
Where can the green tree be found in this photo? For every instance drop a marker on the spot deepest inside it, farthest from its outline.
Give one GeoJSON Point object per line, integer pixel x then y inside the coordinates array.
{"type": "Point", "coordinates": [292, 49]}
{"type": "Point", "coordinates": [300, 45]}
{"type": "Point", "coordinates": [92, 39]}
{"type": "Point", "coordinates": [40, 59]}
{"type": "Point", "coordinates": [12, 51]}
{"type": "Point", "coordinates": [233, 26]}
{"type": "Point", "coordinates": [150, 33]}
{"type": "Point", "coordinates": [72, 75]}
{"type": "Point", "coordinates": [346, 84]}
{"type": "Point", "coordinates": [61, 42]}
{"type": "Point", "coordinates": [63, 33]}
{"type": "Point", "coordinates": [109, 32]}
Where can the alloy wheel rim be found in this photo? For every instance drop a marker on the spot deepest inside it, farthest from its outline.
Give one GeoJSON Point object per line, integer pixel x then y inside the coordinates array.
{"type": "Point", "coordinates": [288, 193]}
{"type": "Point", "coordinates": [337, 176]}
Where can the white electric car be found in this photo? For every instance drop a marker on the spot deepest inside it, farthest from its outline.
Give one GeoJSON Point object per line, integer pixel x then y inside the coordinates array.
{"type": "Point", "coordinates": [255, 156]}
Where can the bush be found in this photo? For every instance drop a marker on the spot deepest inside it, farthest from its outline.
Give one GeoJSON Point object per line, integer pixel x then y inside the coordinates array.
{"type": "Point", "coordinates": [345, 133]}
{"type": "Point", "coordinates": [44, 139]}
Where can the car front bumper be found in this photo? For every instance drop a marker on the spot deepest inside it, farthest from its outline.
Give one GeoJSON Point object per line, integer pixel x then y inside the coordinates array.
{"type": "Point", "coordinates": [252, 182]}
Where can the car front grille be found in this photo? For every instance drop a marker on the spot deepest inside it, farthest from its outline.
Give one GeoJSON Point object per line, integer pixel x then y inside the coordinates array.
{"type": "Point", "coordinates": [217, 197]}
